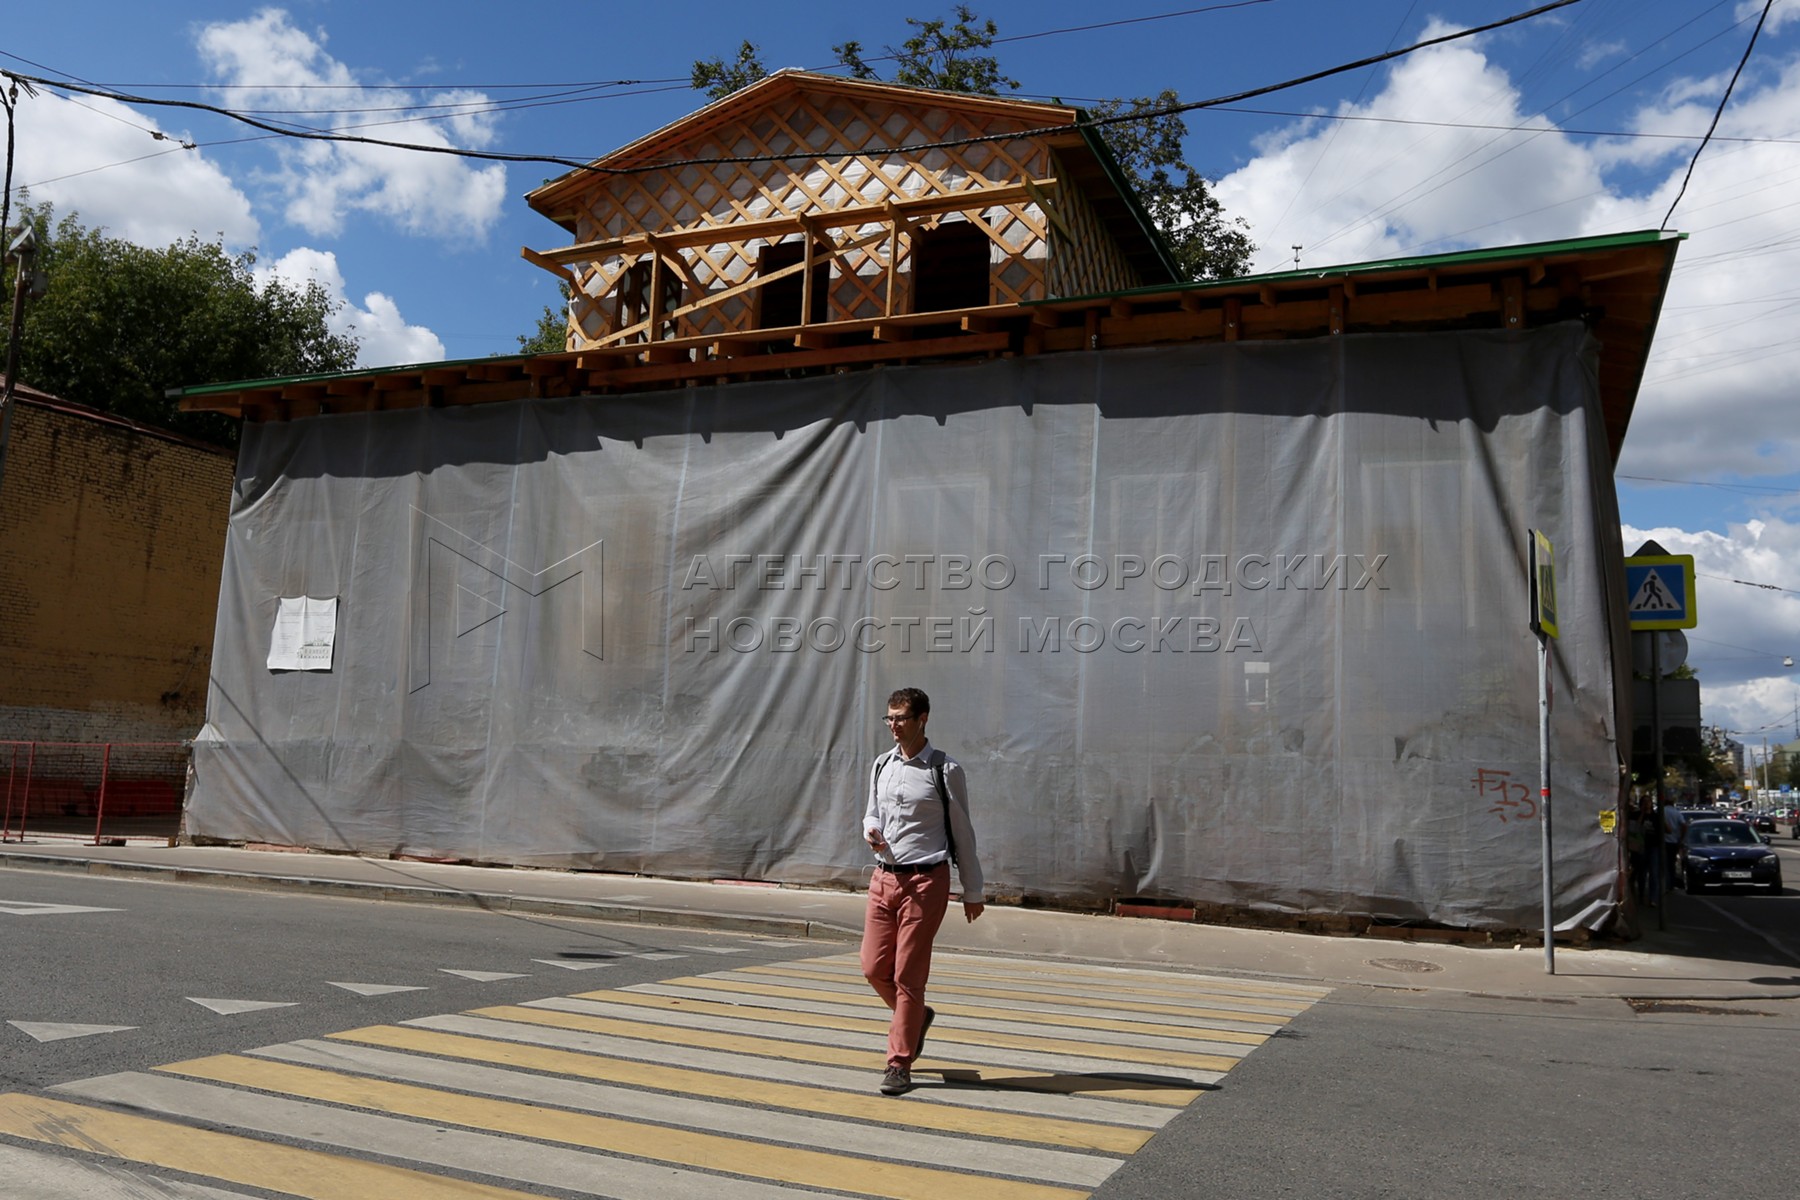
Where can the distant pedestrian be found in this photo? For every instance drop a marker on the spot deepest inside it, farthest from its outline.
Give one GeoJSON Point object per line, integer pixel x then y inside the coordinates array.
{"type": "Point", "coordinates": [1635, 864]}
{"type": "Point", "coordinates": [917, 818]}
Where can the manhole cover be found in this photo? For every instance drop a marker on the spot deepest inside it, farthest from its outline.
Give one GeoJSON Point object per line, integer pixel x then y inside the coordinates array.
{"type": "Point", "coordinates": [1412, 966]}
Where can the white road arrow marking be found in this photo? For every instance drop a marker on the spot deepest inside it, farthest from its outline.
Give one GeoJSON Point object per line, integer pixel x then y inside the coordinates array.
{"type": "Point", "coordinates": [376, 989]}
{"type": "Point", "coordinates": [54, 1031]}
{"type": "Point", "coordinates": [27, 908]}
{"type": "Point", "coordinates": [230, 1008]}
{"type": "Point", "coordinates": [571, 966]}
{"type": "Point", "coordinates": [482, 976]}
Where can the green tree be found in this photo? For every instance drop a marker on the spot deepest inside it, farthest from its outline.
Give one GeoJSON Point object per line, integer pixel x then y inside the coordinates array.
{"type": "Point", "coordinates": [120, 324]}
{"type": "Point", "coordinates": [550, 336]}
{"type": "Point", "coordinates": [938, 55]}
{"type": "Point", "coordinates": [1204, 241]}
{"type": "Point", "coordinates": [718, 78]}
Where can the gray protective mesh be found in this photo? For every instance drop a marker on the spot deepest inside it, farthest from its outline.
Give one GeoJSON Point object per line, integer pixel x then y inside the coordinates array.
{"type": "Point", "coordinates": [1239, 624]}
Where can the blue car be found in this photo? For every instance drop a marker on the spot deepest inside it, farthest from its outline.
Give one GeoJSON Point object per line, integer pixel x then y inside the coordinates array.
{"type": "Point", "coordinates": [1725, 854]}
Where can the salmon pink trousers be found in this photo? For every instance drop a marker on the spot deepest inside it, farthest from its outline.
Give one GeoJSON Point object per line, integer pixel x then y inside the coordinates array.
{"type": "Point", "coordinates": [901, 921]}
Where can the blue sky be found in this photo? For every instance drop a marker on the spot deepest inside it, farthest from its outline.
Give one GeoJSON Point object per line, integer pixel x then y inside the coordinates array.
{"type": "Point", "coordinates": [1578, 122]}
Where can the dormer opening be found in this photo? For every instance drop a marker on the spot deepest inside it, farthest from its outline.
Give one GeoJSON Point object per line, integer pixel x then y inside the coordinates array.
{"type": "Point", "coordinates": [951, 267]}
{"type": "Point", "coordinates": [633, 296]}
{"type": "Point", "coordinates": [779, 301]}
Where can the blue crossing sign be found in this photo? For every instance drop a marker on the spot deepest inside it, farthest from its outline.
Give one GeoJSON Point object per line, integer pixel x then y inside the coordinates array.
{"type": "Point", "coordinates": [1659, 591]}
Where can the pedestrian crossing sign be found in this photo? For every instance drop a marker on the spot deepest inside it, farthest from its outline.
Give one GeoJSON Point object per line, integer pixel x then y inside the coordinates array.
{"type": "Point", "coordinates": [1659, 591]}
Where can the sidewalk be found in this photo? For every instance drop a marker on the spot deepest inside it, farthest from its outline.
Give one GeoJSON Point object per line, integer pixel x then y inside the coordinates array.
{"type": "Point", "coordinates": [1660, 966]}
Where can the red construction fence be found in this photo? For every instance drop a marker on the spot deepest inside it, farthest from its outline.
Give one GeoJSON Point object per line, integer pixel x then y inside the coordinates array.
{"type": "Point", "coordinates": [98, 791]}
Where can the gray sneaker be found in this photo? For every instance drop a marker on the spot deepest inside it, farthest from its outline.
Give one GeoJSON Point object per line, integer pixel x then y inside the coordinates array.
{"type": "Point", "coordinates": [895, 1080]}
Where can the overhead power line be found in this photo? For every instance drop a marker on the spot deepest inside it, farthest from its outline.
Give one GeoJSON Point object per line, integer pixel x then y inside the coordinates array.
{"type": "Point", "coordinates": [1717, 113]}
{"type": "Point", "coordinates": [580, 165]}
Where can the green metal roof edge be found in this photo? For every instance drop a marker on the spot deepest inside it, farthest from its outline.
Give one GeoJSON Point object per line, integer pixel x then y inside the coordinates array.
{"type": "Point", "coordinates": [1115, 173]}
{"type": "Point", "coordinates": [1609, 241]}
{"type": "Point", "coordinates": [241, 385]}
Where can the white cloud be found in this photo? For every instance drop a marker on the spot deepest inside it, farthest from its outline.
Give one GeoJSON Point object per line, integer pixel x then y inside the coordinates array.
{"type": "Point", "coordinates": [99, 158]}
{"type": "Point", "coordinates": [273, 65]}
{"type": "Point", "coordinates": [1746, 627]}
{"type": "Point", "coordinates": [1720, 373]}
{"type": "Point", "coordinates": [1779, 16]}
{"type": "Point", "coordinates": [384, 338]}
{"type": "Point", "coordinates": [1352, 190]}
{"type": "Point", "coordinates": [1715, 401]}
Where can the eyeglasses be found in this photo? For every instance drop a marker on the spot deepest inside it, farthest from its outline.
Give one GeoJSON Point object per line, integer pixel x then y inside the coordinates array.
{"type": "Point", "coordinates": [897, 720]}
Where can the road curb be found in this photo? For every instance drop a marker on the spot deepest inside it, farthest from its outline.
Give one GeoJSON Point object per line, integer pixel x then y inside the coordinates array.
{"type": "Point", "coordinates": [597, 910]}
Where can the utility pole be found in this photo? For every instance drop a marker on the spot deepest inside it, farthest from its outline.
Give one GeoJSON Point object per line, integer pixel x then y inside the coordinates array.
{"type": "Point", "coordinates": [23, 252]}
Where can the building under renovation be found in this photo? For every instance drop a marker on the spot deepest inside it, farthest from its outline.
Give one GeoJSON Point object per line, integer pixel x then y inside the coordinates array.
{"type": "Point", "coordinates": [1219, 590]}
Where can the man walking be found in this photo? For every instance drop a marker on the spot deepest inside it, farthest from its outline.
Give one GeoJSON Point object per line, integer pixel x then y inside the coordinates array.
{"type": "Point", "coordinates": [917, 820]}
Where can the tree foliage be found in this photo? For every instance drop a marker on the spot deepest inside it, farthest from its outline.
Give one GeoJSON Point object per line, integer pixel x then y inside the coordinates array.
{"type": "Point", "coordinates": [718, 78]}
{"type": "Point", "coordinates": [552, 331]}
{"type": "Point", "coordinates": [1204, 241]}
{"type": "Point", "coordinates": [939, 55]}
{"type": "Point", "coordinates": [120, 324]}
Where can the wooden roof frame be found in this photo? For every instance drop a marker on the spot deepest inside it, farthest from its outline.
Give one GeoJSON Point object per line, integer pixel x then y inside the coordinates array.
{"type": "Point", "coordinates": [1615, 284]}
{"type": "Point", "coordinates": [1078, 144]}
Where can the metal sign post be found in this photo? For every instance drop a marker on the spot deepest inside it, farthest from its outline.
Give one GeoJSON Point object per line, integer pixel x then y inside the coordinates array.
{"type": "Point", "coordinates": [1543, 623]}
{"type": "Point", "coordinates": [1659, 595]}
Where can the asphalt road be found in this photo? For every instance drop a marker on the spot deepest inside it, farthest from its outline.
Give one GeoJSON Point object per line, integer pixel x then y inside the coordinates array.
{"type": "Point", "coordinates": [1345, 1092]}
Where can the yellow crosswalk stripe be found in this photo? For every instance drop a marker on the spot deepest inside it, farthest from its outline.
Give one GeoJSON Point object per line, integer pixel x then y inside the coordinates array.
{"type": "Point", "coordinates": [290, 1170]}
{"type": "Point", "coordinates": [788, 1016]}
{"type": "Point", "coordinates": [1112, 1139]}
{"type": "Point", "coordinates": [811, 1168]}
{"type": "Point", "coordinates": [732, 985]}
{"type": "Point", "coordinates": [1134, 983]}
{"type": "Point", "coordinates": [1038, 1042]}
{"type": "Point", "coordinates": [737, 1043]}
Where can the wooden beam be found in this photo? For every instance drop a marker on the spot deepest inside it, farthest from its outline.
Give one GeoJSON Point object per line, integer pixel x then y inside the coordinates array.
{"type": "Point", "coordinates": [551, 265]}
{"type": "Point", "coordinates": [961, 346]}
{"type": "Point", "coordinates": [1512, 302]}
{"type": "Point", "coordinates": [603, 358]}
{"type": "Point", "coordinates": [775, 227]}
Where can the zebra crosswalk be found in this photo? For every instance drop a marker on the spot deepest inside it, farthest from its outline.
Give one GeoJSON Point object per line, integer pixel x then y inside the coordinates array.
{"type": "Point", "coordinates": [1038, 1081]}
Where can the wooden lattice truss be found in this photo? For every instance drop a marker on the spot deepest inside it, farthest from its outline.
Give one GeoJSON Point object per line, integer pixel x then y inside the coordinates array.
{"type": "Point", "coordinates": [683, 250]}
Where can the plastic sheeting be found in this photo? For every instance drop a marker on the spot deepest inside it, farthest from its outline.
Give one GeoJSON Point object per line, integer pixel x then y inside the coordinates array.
{"type": "Point", "coordinates": [1240, 624]}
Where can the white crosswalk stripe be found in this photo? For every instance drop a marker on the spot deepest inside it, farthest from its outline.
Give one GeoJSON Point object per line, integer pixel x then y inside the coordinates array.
{"type": "Point", "coordinates": [1038, 1081]}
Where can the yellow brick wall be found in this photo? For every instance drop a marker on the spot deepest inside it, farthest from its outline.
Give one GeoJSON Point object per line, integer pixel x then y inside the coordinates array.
{"type": "Point", "coordinates": [111, 540]}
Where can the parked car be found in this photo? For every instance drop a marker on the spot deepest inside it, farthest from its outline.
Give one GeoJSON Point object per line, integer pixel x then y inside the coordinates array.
{"type": "Point", "coordinates": [1724, 853]}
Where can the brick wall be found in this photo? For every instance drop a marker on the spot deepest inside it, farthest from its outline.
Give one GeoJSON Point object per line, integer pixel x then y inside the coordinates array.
{"type": "Point", "coordinates": [111, 540]}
